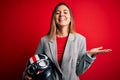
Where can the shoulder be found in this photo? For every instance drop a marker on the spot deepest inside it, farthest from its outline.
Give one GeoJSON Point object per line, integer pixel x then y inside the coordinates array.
{"type": "Point", "coordinates": [44, 38]}
{"type": "Point", "coordinates": [79, 36]}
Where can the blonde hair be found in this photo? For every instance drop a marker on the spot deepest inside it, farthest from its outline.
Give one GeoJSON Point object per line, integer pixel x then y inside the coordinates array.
{"type": "Point", "coordinates": [53, 27]}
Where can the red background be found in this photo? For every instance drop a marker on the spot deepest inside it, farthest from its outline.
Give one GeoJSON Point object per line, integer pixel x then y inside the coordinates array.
{"type": "Point", "coordinates": [24, 22]}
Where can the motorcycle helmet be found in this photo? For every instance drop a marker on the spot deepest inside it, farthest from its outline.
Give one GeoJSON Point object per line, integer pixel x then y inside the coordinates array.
{"type": "Point", "coordinates": [39, 67]}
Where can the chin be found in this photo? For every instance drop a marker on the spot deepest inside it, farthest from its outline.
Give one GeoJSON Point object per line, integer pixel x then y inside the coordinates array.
{"type": "Point", "coordinates": [63, 24]}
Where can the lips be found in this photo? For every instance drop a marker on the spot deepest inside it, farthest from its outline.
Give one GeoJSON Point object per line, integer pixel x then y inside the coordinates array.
{"type": "Point", "coordinates": [62, 19]}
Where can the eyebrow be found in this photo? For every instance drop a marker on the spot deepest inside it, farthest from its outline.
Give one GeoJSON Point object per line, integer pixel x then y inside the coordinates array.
{"type": "Point", "coordinates": [63, 10]}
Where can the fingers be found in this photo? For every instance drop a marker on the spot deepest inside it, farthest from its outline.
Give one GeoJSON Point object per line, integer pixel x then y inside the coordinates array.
{"type": "Point", "coordinates": [28, 78]}
{"type": "Point", "coordinates": [107, 50]}
{"type": "Point", "coordinates": [104, 51]}
{"type": "Point", "coordinates": [98, 50]}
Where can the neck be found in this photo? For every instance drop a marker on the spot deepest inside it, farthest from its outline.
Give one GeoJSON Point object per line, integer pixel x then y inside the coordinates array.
{"type": "Point", "coordinates": [62, 32]}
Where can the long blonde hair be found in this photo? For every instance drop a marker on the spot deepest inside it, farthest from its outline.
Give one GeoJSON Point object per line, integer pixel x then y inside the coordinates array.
{"type": "Point", "coordinates": [53, 27]}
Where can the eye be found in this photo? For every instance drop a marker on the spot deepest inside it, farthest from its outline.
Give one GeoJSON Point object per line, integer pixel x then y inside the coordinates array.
{"type": "Point", "coordinates": [65, 12]}
{"type": "Point", "coordinates": [57, 12]}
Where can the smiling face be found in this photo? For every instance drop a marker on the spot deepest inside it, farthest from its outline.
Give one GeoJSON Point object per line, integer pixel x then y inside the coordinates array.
{"type": "Point", "coordinates": [62, 16]}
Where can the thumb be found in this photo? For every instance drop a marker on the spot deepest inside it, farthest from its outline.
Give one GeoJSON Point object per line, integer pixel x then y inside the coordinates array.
{"type": "Point", "coordinates": [100, 47]}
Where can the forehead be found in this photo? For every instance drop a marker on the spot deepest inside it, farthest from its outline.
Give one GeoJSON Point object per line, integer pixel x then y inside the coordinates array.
{"type": "Point", "coordinates": [62, 7]}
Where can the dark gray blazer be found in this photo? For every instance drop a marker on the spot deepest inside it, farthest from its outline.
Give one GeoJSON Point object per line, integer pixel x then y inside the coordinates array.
{"type": "Point", "coordinates": [75, 59]}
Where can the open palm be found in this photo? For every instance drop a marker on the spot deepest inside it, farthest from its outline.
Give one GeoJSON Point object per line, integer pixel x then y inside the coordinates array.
{"type": "Point", "coordinates": [98, 50]}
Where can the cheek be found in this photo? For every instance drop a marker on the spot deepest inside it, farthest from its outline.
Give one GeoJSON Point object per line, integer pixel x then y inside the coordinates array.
{"type": "Point", "coordinates": [56, 18]}
{"type": "Point", "coordinates": [69, 19]}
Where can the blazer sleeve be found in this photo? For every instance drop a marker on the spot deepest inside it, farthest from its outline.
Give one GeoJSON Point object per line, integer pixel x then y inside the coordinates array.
{"type": "Point", "coordinates": [40, 47]}
{"type": "Point", "coordinates": [84, 61]}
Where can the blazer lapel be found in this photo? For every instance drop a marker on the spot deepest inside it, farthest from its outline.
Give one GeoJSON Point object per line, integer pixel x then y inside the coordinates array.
{"type": "Point", "coordinates": [68, 53]}
{"type": "Point", "coordinates": [53, 50]}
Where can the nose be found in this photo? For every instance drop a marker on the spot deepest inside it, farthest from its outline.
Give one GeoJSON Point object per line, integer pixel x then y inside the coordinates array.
{"type": "Point", "coordinates": [61, 13]}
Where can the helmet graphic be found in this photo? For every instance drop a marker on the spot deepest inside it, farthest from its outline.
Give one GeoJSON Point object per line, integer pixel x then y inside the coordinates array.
{"type": "Point", "coordinates": [39, 67]}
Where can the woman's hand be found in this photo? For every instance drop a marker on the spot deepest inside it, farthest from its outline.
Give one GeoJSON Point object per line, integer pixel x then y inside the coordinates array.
{"type": "Point", "coordinates": [28, 78]}
{"type": "Point", "coordinates": [98, 50]}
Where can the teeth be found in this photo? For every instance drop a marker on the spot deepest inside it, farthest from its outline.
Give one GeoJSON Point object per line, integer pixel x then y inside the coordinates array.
{"type": "Point", "coordinates": [62, 19]}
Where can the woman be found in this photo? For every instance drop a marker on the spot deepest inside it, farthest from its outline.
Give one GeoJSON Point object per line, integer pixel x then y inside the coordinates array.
{"type": "Point", "coordinates": [66, 48]}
